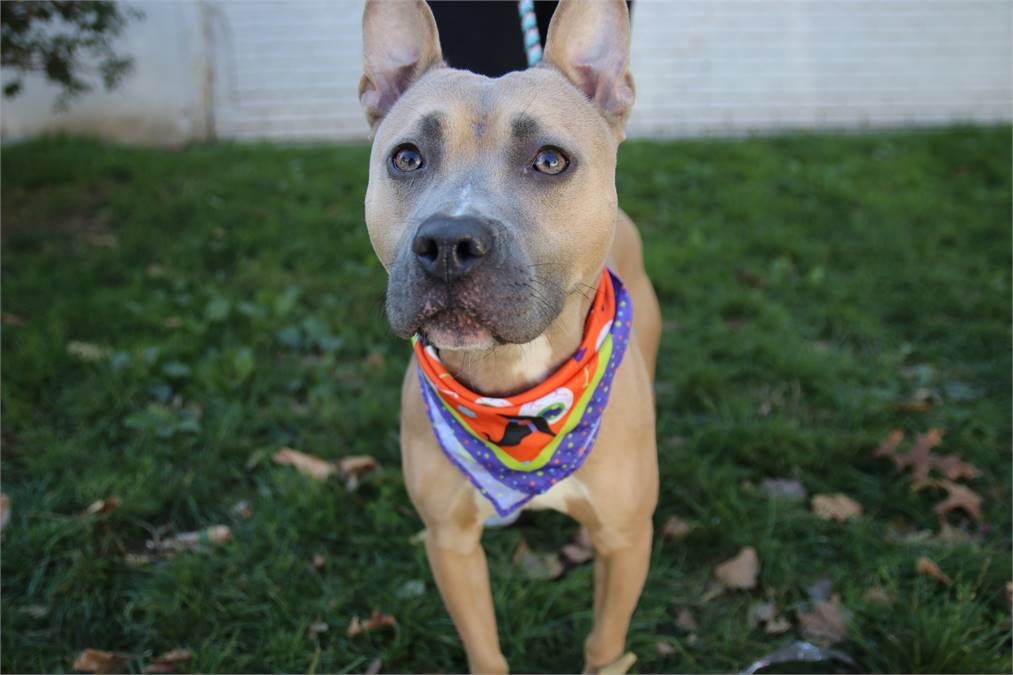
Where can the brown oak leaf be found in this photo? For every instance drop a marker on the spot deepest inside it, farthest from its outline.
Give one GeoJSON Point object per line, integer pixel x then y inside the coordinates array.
{"type": "Point", "coordinates": [167, 662]}
{"type": "Point", "coordinates": [958, 497]}
{"type": "Point", "coordinates": [839, 507]}
{"type": "Point", "coordinates": [376, 621]}
{"type": "Point", "coordinates": [675, 528]}
{"type": "Point", "coordinates": [99, 661]}
{"type": "Point", "coordinates": [826, 623]}
{"type": "Point", "coordinates": [741, 571]}
{"type": "Point", "coordinates": [929, 568]}
{"type": "Point", "coordinates": [308, 465]}
{"type": "Point", "coordinates": [354, 466]}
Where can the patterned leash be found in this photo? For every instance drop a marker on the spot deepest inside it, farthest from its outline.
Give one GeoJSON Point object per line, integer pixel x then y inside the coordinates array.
{"type": "Point", "coordinates": [529, 27]}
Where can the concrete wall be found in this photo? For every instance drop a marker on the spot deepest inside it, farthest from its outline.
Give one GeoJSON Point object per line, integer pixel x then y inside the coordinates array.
{"type": "Point", "coordinates": [289, 71]}
{"type": "Point", "coordinates": [161, 102]}
{"type": "Point", "coordinates": [735, 66]}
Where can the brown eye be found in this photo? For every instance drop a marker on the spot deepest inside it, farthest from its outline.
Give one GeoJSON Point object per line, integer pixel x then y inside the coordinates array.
{"type": "Point", "coordinates": [550, 161]}
{"type": "Point", "coordinates": [406, 158]}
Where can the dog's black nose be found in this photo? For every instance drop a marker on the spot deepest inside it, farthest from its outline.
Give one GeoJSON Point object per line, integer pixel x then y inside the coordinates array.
{"type": "Point", "coordinates": [450, 248]}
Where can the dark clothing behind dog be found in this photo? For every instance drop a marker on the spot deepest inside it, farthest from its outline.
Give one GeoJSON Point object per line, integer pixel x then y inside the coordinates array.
{"type": "Point", "coordinates": [485, 37]}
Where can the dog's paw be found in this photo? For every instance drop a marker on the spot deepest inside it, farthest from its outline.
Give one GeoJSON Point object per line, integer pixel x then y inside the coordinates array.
{"type": "Point", "coordinates": [620, 666]}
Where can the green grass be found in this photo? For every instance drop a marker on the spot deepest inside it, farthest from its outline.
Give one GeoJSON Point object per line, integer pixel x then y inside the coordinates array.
{"type": "Point", "coordinates": [809, 285]}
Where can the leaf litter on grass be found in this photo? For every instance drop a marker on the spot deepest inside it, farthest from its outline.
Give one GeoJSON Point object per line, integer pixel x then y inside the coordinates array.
{"type": "Point", "coordinates": [169, 662]}
{"type": "Point", "coordinates": [922, 461]}
{"type": "Point", "coordinates": [351, 467]}
{"type": "Point", "coordinates": [740, 572]}
{"type": "Point", "coordinates": [376, 621]}
{"type": "Point", "coordinates": [101, 662]}
{"type": "Point", "coordinates": [928, 567]}
{"type": "Point", "coordinates": [839, 507]}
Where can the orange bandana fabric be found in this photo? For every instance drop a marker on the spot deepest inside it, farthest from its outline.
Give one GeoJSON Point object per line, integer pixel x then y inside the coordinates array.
{"type": "Point", "coordinates": [516, 447]}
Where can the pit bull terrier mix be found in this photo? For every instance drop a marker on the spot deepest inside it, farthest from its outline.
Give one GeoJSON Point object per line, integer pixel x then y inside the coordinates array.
{"type": "Point", "coordinates": [492, 205]}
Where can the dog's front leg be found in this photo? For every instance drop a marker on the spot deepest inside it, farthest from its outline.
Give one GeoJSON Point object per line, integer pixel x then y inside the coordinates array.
{"type": "Point", "coordinates": [459, 566]}
{"type": "Point", "coordinates": [620, 569]}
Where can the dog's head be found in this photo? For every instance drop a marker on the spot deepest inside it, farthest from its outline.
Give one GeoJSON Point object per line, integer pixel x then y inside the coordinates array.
{"type": "Point", "coordinates": [492, 202]}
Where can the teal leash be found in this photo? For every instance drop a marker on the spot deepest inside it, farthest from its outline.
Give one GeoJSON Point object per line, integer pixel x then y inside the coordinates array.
{"type": "Point", "coordinates": [529, 27]}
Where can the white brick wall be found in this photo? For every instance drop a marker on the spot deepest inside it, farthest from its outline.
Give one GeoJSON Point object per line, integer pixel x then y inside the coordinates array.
{"type": "Point", "coordinates": [289, 71]}
{"type": "Point", "coordinates": [706, 66]}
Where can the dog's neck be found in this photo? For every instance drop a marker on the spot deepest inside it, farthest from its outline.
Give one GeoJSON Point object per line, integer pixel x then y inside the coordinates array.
{"type": "Point", "coordinates": [508, 369]}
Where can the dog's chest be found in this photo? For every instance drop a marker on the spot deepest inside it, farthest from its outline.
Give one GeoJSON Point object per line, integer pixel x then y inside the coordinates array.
{"type": "Point", "coordinates": [560, 498]}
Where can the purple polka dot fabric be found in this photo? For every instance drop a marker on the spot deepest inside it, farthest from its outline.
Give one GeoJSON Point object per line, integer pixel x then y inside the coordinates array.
{"type": "Point", "coordinates": [507, 488]}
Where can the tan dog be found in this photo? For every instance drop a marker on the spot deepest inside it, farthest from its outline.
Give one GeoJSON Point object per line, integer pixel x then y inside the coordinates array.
{"type": "Point", "coordinates": [514, 180]}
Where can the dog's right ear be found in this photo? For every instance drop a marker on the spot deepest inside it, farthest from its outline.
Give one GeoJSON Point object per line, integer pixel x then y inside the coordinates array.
{"type": "Point", "coordinates": [399, 43]}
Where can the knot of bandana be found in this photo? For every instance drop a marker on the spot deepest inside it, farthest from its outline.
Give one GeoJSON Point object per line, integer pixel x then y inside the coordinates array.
{"type": "Point", "coordinates": [516, 447]}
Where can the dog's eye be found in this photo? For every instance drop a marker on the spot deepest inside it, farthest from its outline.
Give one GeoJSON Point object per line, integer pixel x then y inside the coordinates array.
{"type": "Point", "coordinates": [406, 158]}
{"type": "Point", "coordinates": [551, 161]}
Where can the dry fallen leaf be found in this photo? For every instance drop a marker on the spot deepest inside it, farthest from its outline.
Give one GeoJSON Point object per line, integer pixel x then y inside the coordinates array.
{"type": "Point", "coordinates": [929, 568]}
{"type": "Point", "coordinates": [877, 595]}
{"type": "Point", "coordinates": [86, 351]}
{"type": "Point", "coordinates": [664, 649]}
{"type": "Point", "coordinates": [537, 566]}
{"type": "Point", "coordinates": [713, 590]}
{"type": "Point", "coordinates": [216, 535]}
{"type": "Point", "coordinates": [376, 621]}
{"type": "Point", "coordinates": [11, 319]}
{"type": "Point", "coordinates": [167, 662]}
{"type": "Point", "coordinates": [826, 623]}
{"type": "Point", "coordinates": [686, 621]}
{"type": "Point", "coordinates": [5, 511]}
{"type": "Point", "coordinates": [739, 572]}
{"type": "Point", "coordinates": [98, 661]}
{"type": "Point", "coordinates": [888, 446]}
{"type": "Point", "coordinates": [920, 457]}
{"type": "Point", "coordinates": [319, 561]}
{"type": "Point", "coordinates": [317, 628]}
{"type": "Point", "coordinates": [958, 497]}
{"type": "Point", "coordinates": [768, 614]}
{"type": "Point", "coordinates": [777, 625]}
{"type": "Point", "coordinates": [311, 466]}
{"type": "Point", "coordinates": [838, 507]}
{"type": "Point", "coordinates": [374, 666]}
{"type": "Point", "coordinates": [675, 528]}
{"type": "Point", "coordinates": [353, 466]}
{"type": "Point", "coordinates": [580, 550]}
{"type": "Point", "coordinates": [954, 468]}
{"type": "Point", "coordinates": [922, 460]}
{"type": "Point", "coordinates": [950, 534]}
{"type": "Point", "coordinates": [101, 506]}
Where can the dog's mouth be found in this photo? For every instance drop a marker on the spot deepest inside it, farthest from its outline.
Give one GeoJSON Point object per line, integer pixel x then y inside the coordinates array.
{"type": "Point", "coordinates": [500, 302]}
{"type": "Point", "coordinates": [457, 328]}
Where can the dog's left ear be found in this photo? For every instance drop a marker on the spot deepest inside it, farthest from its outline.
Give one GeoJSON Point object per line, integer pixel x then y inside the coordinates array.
{"type": "Point", "coordinates": [589, 42]}
{"type": "Point", "coordinates": [399, 44]}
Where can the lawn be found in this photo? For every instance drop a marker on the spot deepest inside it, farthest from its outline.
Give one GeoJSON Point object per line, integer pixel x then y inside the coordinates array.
{"type": "Point", "coordinates": [173, 318]}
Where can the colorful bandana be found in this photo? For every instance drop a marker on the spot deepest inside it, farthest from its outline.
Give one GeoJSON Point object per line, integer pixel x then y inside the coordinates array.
{"type": "Point", "coordinates": [517, 447]}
